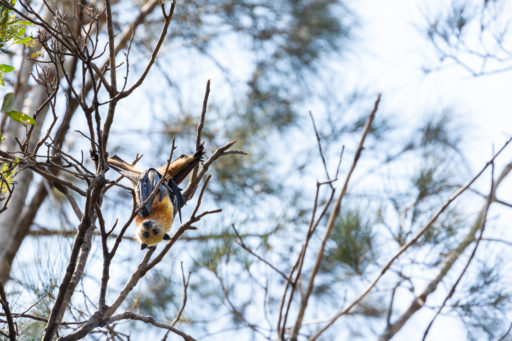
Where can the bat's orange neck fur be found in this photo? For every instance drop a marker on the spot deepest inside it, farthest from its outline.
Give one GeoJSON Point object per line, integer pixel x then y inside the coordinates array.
{"type": "Point", "coordinates": [161, 212]}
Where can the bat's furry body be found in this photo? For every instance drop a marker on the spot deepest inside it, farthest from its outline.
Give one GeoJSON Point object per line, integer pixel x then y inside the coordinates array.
{"type": "Point", "coordinates": [155, 218]}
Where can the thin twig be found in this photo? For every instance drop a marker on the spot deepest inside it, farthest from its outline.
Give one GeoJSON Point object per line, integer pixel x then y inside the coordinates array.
{"type": "Point", "coordinates": [506, 333]}
{"type": "Point", "coordinates": [128, 315]}
{"type": "Point", "coordinates": [185, 287]}
{"type": "Point", "coordinates": [319, 142]}
{"type": "Point", "coordinates": [200, 126]}
{"type": "Point", "coordinates": [298, 266]}
{"type": "Point", "coordinates": [240, 242]}
{"type": "Point", "coordinates": [167, 22]}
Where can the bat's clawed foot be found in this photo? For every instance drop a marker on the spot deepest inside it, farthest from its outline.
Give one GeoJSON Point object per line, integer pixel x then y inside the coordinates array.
{"type": "Point", "coordinates": [94, 155]}
{"type": "Point", "coordinates": [200, 152]}
{"type": "Point", "coordinates": [145, 246]}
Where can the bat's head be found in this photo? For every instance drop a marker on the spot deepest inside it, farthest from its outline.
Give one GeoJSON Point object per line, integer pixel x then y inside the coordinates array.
{"type": "Point", "coordinates": [151, 232]}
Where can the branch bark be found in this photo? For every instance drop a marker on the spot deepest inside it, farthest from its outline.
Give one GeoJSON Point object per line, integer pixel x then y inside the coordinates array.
{"type": "Point", "coordinates": [7, 311]}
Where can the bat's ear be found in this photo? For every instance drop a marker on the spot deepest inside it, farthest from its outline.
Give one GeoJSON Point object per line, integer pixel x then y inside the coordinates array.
{"type": "Point", "coordinates": [166, 237]}
{"type": "Point", "coordinates": [143, 246]}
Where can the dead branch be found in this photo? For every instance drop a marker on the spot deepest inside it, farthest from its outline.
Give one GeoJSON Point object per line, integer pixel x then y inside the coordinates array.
{"type": "Point", "coordinates": [127, 315]}
{"type": "Point", "coordinates": [185, 281]}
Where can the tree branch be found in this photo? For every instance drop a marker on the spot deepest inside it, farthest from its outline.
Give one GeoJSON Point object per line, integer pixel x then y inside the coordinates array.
{"type": "Point", "coordinates": [127, 315]}
{"type": "Point", "coordinates": [8, 316]}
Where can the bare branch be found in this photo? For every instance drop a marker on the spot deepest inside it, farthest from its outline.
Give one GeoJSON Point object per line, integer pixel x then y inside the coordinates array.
{"type": "Point", "coordinates": [185, 287]}
{"type": "Point", "coordinates": [148, 319]}
{"type": "Point", "coordinates": [240, 242]}
{"type": "Point", "coordinates": [86, 224]}
{"type": "Point", "coordinates": [193, 181]}
{"type": "Point", "coordinates": [8, 316]}
{"type": "Point", "coordinates": [319, 142]}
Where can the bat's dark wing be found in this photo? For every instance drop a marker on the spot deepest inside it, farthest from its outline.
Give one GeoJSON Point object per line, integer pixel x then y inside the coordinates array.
{"type": "Point", "coordinates": [145, 186]}
{"type": "Point", "coordinates": [177, 199]}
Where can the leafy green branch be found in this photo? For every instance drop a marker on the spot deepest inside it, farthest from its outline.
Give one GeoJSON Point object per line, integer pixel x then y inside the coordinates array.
{"type": "Point", "coordinates": [12, 32]}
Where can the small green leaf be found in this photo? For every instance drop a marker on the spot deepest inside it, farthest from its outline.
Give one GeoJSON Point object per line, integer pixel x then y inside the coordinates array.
{"type": "Point", "coordinates": [21, 117]}
{"type": "Point", "coordinates": [6, 68]}
{"type": "Point", "coordinates": [6, 51]}
{"type": "Point", "coordinates": [24, 22]}
{"type": "Point", "coordinates": [23, 41]}
{"type": "Point", "coordinates": [8, 102]}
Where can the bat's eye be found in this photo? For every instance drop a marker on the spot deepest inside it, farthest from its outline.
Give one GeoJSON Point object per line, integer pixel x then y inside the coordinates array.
{"type": "Point", "coordinates": [155, 231]}
{"type": "Point", "coordinates": [145, 234]}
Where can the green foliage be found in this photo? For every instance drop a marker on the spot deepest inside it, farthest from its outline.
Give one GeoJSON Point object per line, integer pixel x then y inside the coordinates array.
{"type": "Point", "coordinates": [215, 254]}
{"type": "Point", "coordinates": [483, 303]}
{"type": "Point", "coordinates": [12, 31]}
{"type": "Point", "coordinates": [21, 117]}
{"type": "Point", "coordinates": [444, 229]}
{"type": "Point", "coordinates": [159, 291]}
{"type": "Point", "coordinates": [351, 242]}
{"type": "Point", "coordinates": [440, 135]}
{"type": "Point", "coordinates": [7, 174]}
{"type": "Point", "coordinates": [4, 68]}
{"type": "Point", "coordinates": [8, 102]}
{"type": "Point", "coordinates": [7, 108]}
{"type": "Point", "coordinates": [429, 182]}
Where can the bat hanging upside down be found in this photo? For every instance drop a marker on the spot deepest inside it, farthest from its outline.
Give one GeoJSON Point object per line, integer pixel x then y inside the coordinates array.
{"type": "Point", "coordinates": [155, 219]}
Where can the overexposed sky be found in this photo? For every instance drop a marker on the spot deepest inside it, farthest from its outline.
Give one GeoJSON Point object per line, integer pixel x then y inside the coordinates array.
{"type": "Point", "coordinates": [392, 53]}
